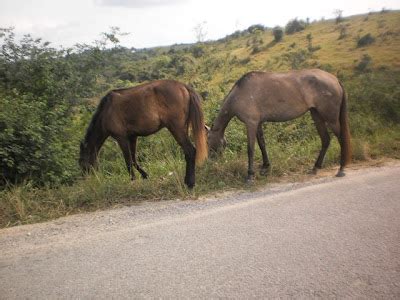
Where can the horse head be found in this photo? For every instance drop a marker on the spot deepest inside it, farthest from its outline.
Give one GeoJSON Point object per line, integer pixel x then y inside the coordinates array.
{"type": "Point", "coordinates": [87, 157]}
{"type": "Point", "coordinates": [216, 141]}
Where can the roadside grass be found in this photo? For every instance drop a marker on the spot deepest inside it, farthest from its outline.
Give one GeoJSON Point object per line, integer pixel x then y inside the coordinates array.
{"type": "Point", "coordinates": [110, 185]}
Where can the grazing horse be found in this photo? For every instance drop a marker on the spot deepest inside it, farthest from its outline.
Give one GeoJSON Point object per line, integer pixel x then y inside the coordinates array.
{"type": "Point", "coordinates": [260, 97]}
{"type": "Point", "coordinates": [125, 114]}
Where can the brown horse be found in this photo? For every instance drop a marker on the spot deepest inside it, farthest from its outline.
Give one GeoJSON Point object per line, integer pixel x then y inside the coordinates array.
{"type": "Point", "coordinates": [125, 114]}
{"type": "Point", "coordinates": [260, 97]}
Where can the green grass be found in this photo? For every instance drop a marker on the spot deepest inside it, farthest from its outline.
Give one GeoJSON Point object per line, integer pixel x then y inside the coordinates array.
{"type": "Point", "coordinates": [110, 186]}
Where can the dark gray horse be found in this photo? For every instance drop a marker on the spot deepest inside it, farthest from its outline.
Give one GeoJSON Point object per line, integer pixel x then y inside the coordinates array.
{"type": "Point", "coordinates": [260, 97]}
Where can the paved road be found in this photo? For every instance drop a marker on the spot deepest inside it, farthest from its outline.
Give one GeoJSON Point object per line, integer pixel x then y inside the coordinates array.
{"type": "Point", "coordinates": [330, 238]}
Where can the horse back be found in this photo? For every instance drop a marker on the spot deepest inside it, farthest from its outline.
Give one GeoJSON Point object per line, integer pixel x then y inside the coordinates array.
{"type": "Point", "coordinates": [145, 109]}
{"type": "Point", "coordinates": [280, 97]}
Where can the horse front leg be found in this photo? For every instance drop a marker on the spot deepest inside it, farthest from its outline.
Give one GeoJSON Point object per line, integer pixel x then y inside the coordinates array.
{"type": "Point", "coordinates": [124, 145]}
{"type": "Point", "coordinates": [251, 139]}
{"type": "Point", "coordinates": [261, 143]}
{"type": "Point", "coordinates": [133, 143]}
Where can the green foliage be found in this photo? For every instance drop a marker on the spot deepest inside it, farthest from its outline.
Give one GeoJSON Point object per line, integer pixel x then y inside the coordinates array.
{"type": "Point", "coordinates": [297, 59]}
{"type": "Point", "coordinates": [294, 26]}
{"type": "Point", "coordinates": [35, 140]}
{"type": "Point", "coordinates": [310, 46]}
{"type": "Point", "coordinates": [198, 51]}
{"type": "Point", "coordinates": [375, 95]}
{"type": "Point", "coordinates": [254, 28]}
{"type": "Point", "coordinates": [278, 33]}
{"type": "Point", "coordinates": [364, 64]}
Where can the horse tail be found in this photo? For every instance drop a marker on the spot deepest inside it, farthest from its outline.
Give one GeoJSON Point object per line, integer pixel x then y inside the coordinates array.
{"type": "Point", "coordinates": [345, 155]}
{"type": "Point", "coordinates": [196, 119]}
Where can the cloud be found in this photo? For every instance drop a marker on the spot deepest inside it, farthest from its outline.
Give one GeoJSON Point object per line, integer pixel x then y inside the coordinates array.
{"type": "Point", "coordinates": [137, 3]}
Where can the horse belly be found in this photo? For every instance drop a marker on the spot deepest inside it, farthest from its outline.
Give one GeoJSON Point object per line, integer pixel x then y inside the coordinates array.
{"type": "Point", "coordinates": [143, 126]}
{"type": "Point", "coordinates": [285, 110]}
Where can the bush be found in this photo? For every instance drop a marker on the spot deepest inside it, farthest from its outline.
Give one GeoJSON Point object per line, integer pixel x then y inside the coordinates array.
{"type": "Point", "coordinates": [364, 64]}
{"type": "Point", "coordinates": [365, 40]}
{"type": "Point", "coordinates": [197, 51]}
{"type": "Point", "coordinates": [294, 26]}
{"type": "Point", "coordinates": [343, 32]}
{"type": "Point", "coordinates": [278, 33]}
{"type": "Point", "coordinates": [37, 99]}
{"type": "Point", "coordinates": [297, 59]}
{"type": "Point", "coordinates": [34, 141]}
{"type": "Point", "coordinates": [254, 28]}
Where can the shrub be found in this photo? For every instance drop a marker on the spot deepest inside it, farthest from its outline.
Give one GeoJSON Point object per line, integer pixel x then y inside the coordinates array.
{"type": "Point", "coordinates": [297, 59]}
{"type": "Point", "coordinates": [294, 26]}
{"type": "Point", "coordinates": [255, 28]}
{"type": "Point", "coordinates": [37, 99]}
{"type": "Point", "coordinates": [197, 51]}
{"type": "Point", "coordinates": [278, 33]}
{"type": "Point", "coordinates": [245, 60]}
{"type": "Point", "coordinates": [365, 40]}
{"type": "Point", "coordinates": [364, 64]}
{"type": "Point", "coordinates": [343, 32]}
{"type": "Point", "coordinates": [256, 49]}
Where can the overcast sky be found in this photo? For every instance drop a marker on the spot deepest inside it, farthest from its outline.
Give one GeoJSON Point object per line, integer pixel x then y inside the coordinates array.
{"type": "Point", "coordinates": [163, 22]}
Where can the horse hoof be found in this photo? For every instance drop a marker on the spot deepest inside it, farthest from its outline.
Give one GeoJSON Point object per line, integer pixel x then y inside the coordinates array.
{"type": "Point", "coordinates": [264, 172]}
{"type": "Point", "coordinates": [340, 173]}
{"type": "Point", "coordinates": [313, 171]}
{"type": "Point", "coordinates": [145, 176]}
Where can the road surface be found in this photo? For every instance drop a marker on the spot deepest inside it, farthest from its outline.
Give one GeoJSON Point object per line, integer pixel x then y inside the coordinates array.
{"type": "Point", "coordinates": [329, 238]}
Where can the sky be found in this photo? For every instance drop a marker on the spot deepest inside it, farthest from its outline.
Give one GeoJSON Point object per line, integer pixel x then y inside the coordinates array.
{"type": "Point", "coordinates": [163, 22]}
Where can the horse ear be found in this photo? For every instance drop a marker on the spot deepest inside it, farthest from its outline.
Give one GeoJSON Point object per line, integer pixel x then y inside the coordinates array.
{"type": "Point", "coordinates": [207, 128]}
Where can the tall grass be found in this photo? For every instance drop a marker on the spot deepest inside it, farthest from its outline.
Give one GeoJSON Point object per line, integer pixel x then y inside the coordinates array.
{"type": "Point", "coordinates": [110, 185]}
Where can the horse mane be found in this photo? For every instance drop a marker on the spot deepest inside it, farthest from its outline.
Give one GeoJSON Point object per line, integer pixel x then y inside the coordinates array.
{"type": "Point", "coordinates": [246, 77]}
{"type": "Point", "coordinates": [96, 115]}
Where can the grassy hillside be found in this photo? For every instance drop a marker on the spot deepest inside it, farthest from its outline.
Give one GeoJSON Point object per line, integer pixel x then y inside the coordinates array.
{"type": "Point", "coordinates": [370, 73]}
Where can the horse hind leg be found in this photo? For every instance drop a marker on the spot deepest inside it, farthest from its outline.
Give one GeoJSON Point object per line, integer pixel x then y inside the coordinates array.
{"type": "Point", "coordinates": [325, 139]}
{"type": "Point", "coordinates": [336, 130]}
{"type": "Point", "coordinates": [181, 136]}
{"type": "Point", "coordinates": [261, 143]}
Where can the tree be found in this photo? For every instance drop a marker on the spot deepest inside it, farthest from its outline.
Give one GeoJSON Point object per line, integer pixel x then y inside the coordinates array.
{"type": "Point", "coordinates": [200, 31]}
{"type": "Point", "coordinates": [338, 15]}
{"type": "Point", "coordinates": [112, 37]}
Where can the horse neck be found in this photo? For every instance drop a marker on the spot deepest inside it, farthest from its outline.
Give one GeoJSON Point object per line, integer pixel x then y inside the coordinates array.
{"type": "Point", "coordinates": [95, 138]}
{"type": "Point", "coordinates": [222, 121]}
